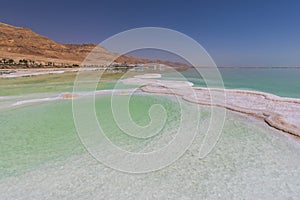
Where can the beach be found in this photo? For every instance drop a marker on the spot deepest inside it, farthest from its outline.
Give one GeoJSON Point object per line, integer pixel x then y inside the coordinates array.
{"type": "Point", "coordinates": [14, 73]}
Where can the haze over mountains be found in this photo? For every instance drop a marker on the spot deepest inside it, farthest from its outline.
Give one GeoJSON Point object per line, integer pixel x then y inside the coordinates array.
{"type": "Point", "coordinates": [22, 43]}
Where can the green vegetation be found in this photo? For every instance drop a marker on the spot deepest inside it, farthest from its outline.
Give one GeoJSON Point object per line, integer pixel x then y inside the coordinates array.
{"type": "Point", "coordinates": [8, 63]}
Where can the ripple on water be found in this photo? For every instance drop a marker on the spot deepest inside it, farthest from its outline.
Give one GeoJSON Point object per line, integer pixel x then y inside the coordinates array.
{"type": "Point", "coordinates": [250, 161]}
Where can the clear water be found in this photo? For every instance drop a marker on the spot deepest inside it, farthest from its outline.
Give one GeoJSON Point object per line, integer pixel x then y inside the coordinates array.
{"type": "Point", "coordinates": [33, 135]}
{"type": "Point", "coordinates": [40, 151]}
{"type": "Point", "coordinates": [282, 82]}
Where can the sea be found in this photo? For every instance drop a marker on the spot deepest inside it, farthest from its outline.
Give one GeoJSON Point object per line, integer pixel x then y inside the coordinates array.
{"type": "Point", "coordinates": [42, 155]}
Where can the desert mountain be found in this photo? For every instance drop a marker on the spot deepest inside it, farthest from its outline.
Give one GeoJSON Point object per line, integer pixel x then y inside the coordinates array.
{"type": "Point", "coordinates": [21, 43]}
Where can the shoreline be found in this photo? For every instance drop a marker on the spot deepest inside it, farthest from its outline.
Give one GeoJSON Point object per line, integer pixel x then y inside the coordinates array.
{"type": "Point", "coordinates": [280, 113]}
{"type": "Point", "coordinates": [15, 73]}
{"type": "Point", "coordinates": [27, 72]}
{"type": "Point", "coordinates": [273, 119]}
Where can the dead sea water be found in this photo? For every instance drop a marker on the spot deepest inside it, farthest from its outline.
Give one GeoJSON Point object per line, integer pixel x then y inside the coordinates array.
{"type": "Point", "coordinates": [42, 157]}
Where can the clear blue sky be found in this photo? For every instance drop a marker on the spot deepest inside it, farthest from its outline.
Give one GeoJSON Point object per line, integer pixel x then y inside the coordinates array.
{"type": "Point", "coordinates": [239, 33]}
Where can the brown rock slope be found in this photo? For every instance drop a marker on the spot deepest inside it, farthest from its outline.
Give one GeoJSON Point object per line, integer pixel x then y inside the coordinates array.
{"type": "Point", "coordinates": [21, 43]}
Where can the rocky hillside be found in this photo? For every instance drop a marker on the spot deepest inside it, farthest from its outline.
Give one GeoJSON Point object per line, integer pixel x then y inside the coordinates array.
{"type": "Point", "coordinates": [22, 43]}
{"type": "Point", "coordinates": [19, 43]}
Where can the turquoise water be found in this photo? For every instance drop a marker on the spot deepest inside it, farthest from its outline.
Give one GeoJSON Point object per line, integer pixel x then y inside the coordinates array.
{"type": "Point", "coordinates": [41, 152]}
{"type": "Point", "coordinates": [32, 135]}
{"type": "Point", "coordinates": [282, 82]}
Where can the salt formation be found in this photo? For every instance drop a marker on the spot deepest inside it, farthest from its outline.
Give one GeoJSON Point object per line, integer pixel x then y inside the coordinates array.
{"type": "Point", "coordinates": [278, 112]}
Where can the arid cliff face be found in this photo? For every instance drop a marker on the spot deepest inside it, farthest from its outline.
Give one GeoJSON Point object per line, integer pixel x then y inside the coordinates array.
{"type": "Point", "coordinates": [19, 43]}
{"type": "Point", "coordinates": [22, 43]}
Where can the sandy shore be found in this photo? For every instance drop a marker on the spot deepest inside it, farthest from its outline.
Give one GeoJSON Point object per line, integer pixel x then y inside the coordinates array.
{"type": "Point", "coordinates": [278, 112]}
{"type": "Point", "coordinates": [14, 73]}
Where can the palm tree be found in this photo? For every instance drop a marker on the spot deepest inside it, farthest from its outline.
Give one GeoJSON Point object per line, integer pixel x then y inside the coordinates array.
{"type": "Point", "coordinates": [11, 61]}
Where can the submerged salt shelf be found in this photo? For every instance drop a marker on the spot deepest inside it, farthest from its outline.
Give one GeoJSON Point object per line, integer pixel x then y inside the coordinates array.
{"type": "Point", "coordinates": [249, 161]}
{"type": "Point", "coordinates": [42, 156]}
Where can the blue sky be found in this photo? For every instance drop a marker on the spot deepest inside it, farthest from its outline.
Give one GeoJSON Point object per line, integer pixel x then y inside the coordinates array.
{"type": "Point", "coordinates": [235, 33]}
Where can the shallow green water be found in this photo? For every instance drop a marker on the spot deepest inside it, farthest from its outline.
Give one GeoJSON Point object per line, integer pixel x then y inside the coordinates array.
{"type": "Point", "coordinates": [35, 134]}
{"type": "Point", "coordinates": [282, 82]}
{"type": "Point", "coordinates": [250, 161]}
{"type": "Point", "coordinates": [50, 83]}
{"type": "Point", "coordinates": [40, 138]}
{"type": "Point", "coordinates": [31, 135]}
